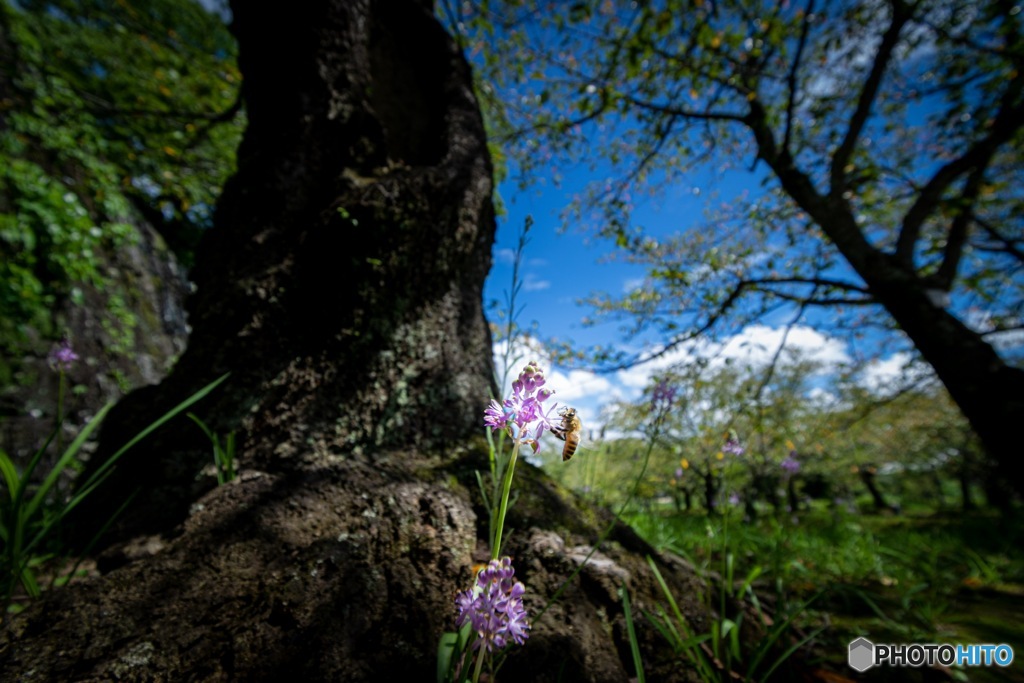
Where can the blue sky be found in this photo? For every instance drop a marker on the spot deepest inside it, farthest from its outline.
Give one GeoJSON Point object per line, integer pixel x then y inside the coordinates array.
{"type": "Point", "coordinates": [561, 266]}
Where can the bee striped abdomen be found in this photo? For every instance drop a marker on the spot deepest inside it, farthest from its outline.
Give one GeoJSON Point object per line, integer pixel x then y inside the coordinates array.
{"type": "Point", "coordinates": [570, 431]}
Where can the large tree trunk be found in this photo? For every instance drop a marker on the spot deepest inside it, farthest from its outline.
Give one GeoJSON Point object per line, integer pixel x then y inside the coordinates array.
{"type": "Point", "coordinates": [988, 390]}
{"type": "Point", "coordinates": [341, 287]}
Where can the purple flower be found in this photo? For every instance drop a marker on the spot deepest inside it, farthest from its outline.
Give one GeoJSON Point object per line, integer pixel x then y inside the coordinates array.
{"type": "Point", "coordinates": [732, 443]}
{"type": "Point", "coordinates": [733, 446]}
{"type": "Point", "coordinates": [497, 416]}
{"type": "Point", "coordinates": [679, 473]}
{"type": "Point", "coordinates": [62, 358]}
{"type": "Point", "coordinates": [790, 465]}
{"type": "Point", "coordinates": [494, 607]}
{"type": "Point", "coordinates": [734, 498]}
{"type": "Point", "coordinates": [663, 395]}
{"type": "Point", "coordinates": [524, 409]}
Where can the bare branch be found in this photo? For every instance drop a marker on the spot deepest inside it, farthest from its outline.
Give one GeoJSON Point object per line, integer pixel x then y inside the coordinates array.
{"type": "Point", "coordinates": [1008, 246]}
{"type": "Point", "coordinates": [712, 320]}
{"type": "Point", "coordinates": [685, 113]}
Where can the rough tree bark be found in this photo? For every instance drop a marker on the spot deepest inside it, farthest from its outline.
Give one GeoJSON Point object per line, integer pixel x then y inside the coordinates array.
{"type": "Point", "coordinates": [341, 287]}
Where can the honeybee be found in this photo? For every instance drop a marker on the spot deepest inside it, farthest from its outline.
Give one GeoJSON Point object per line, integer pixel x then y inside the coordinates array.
{"type": "Point", "coordinates": [570, 431]}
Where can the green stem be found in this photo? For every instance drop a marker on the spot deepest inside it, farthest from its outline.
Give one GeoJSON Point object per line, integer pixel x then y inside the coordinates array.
{"type": "Point", "coordinates": [60, 411]}
{"type": "Point", "coordinates": [503, 508]}
{"type": "Point", "coordinates": [479, 664]}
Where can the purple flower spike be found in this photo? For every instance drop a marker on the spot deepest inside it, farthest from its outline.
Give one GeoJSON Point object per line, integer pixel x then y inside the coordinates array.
{"type": "Point", "coordinates": [790, 465]}
{"type": "Point", "coordinates": [63, 357]}
{"type": "Point", "coordinates": [494, 607]}
{"type": "Point", "coordinates": [525, 408]}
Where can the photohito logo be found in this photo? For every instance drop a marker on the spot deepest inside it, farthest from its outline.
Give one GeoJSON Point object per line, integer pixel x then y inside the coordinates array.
{"type": "Point", "coordinates": [864, 654]}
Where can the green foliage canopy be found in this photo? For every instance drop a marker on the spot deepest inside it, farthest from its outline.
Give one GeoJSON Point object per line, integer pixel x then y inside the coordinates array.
{"type": "Point", "coordinates": [114, 110]}
{"type": "Point", "coordinates": [888, 136]}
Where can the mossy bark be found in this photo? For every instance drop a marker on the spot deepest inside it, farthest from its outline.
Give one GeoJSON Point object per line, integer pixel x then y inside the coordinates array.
{"type": "Point", "coordinates": [342, 283]}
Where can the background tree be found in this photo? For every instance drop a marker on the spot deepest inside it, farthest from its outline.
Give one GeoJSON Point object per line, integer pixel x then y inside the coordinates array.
{"type": "Point", "coordinates": [886, 134]}
{"type": "Point", "coordinates": [837, 432]}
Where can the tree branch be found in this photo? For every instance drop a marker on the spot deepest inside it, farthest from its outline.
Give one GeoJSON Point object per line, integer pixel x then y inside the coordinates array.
{"type": "Point", "coordinates": [791, 77]}
{"type": "Point", "coordinates": [1007, 122]}
{"type": "Point", "coordinates": [685, 113]}
{"type": "Point", "coordinates": [866, 98]}
{"type": "Point", "coordinates": [958, 231]}
{"type": "Point", "coordinates": [1009, 246]}
{"type": "Point", "coordinates": [712, 320]}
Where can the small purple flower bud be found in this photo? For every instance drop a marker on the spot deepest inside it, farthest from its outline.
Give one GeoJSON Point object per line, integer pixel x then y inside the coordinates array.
{"type": "Point", "coordinates": [732, 446]}
{"type": "Point", "coordinates": [732, 443]}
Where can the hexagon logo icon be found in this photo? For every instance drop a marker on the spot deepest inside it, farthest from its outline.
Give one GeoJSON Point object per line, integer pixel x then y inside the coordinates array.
{"type": "Point", "coordinates": [862, 655]}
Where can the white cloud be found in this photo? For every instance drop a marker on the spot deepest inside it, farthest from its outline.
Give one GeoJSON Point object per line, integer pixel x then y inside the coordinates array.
{"type": "Point", "coordinates": [883, 373]}
{"type": "Point", "coordinates": [582, 384]}
{"type": "Point", "coordinates": [754, 346]}
{"type": "Point", "coordinates": [981, 321]}
{"type": "Point", "coordinates": [532, 284]}
{"type": "Point", "coordinates": [825, 398]}
{"type": "Point", "coordinates": [506, 256]}
{"type": "Point", "coordinates": [757, 345]}
{"type": "Point", "coordinates": [1007, 340]}
{"type": "Point", "coordinates": [888, 375]}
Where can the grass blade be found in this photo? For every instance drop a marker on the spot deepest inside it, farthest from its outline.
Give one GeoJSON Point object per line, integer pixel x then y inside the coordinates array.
{"type": "Point", "coordinates": [634, 646]}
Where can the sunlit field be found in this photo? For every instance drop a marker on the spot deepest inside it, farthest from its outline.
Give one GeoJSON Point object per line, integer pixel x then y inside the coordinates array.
{"type": "Point", "coordinates": [839, 569]}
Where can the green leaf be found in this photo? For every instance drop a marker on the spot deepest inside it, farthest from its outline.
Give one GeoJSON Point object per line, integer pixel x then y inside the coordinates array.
{"type": "Point", "coordinates": [634, 645]}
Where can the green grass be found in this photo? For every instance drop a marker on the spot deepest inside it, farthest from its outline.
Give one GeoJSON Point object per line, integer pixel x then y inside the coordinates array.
{"type": "Point", "coordinates": [910, 578]}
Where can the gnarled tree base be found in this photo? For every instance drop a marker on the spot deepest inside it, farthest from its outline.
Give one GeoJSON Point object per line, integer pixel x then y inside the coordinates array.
{"type": "Point", "coordinates": [347, 571]}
